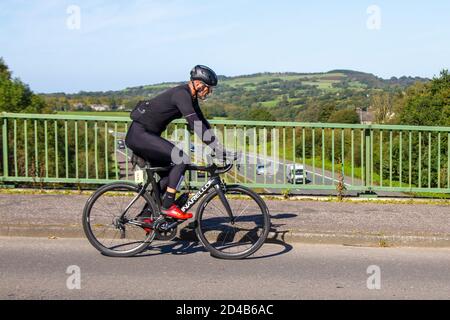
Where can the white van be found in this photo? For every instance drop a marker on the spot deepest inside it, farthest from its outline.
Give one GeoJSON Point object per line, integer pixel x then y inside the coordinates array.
{"type": "Point", "coordinates": [296, 173]}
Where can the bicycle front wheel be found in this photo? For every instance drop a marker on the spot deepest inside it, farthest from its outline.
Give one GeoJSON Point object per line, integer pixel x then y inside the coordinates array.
{"type": "Point", "coordinates": [106, 229]}
{"type": "Point", "coordinates": [236, 239]}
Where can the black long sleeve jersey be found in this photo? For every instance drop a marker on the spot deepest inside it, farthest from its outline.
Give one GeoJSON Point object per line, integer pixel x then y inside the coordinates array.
{"type": "Point", "coordinates": [156, 114]}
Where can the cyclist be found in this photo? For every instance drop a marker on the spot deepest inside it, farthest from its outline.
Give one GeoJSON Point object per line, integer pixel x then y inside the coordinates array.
{"type": "Point", "coordinates": [150, 119]}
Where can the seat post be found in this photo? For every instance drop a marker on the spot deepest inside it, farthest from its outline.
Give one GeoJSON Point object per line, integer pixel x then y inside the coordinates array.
{"type": "Point", "coordinates": [155, 186]}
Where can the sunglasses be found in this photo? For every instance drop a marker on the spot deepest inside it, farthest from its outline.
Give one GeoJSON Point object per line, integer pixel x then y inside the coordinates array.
{"type": "Point", "coordinates": [210, 89]}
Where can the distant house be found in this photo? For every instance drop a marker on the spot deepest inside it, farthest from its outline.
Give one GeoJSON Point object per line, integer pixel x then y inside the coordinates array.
{"type": "Point", "coordinates": [100, 107]}
{"type": "Point", "coordinates": [365, 116]}
{"type": "Point", "coordinates": [78, 106]}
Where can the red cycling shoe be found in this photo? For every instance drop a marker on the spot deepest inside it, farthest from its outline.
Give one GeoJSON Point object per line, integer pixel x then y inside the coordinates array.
{"type": "Point", "coordinates": [176, 213]}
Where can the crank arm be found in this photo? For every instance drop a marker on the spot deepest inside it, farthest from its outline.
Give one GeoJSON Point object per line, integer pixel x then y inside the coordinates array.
{"type": "Point", "coordinates": [141, 224]}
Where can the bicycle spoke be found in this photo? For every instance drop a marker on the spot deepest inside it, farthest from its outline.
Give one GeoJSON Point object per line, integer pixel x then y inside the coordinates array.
{"type": "Point", "coordinates": [225, 238]}
{"type": "Point", "coordinates": [243, 211]}
{"type": "Point", "coordinates": [220, 210]}
{"type": "Point", "coordinates": [115, 233]}
{"type": "Point", "coordinates": [104, 230]}
{"type": "Point", "coordinates": [108, 214]}
{"type": "Point", "coordinates": [104, 209]}
{"type": "Point", "coordinates": [240, 204]}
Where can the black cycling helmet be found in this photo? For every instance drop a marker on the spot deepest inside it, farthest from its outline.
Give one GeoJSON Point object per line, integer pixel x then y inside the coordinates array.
{"type": "Point", "coordinates": [204, 74]}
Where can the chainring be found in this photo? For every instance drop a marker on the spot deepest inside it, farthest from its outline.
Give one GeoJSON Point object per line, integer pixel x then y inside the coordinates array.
{"type": "Point", "coordinates": [165, 235]}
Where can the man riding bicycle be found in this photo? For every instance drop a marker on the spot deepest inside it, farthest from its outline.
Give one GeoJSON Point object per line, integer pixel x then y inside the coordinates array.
{"type": "Point", "coordinates": [151, 118]}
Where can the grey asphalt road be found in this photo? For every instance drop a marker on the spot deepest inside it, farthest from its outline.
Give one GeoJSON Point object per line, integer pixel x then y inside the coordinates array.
{"type": "Point", "coordinates": [34, 268]}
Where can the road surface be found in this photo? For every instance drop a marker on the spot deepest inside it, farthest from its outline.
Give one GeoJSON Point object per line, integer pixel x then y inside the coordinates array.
{"type": "Point", "coordinates": [40, 268]}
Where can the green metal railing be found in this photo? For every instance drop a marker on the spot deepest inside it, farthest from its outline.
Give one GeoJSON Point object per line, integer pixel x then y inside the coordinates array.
{"type": "Point", "coordinates": [72, 149]}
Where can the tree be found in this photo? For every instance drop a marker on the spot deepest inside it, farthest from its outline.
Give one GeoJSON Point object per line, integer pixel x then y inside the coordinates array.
{"type": "Point", "coordinates": [260, 114]}
{"type": "Point", "coordinates": [4, 71]}
{"type": "Point", "coordinates": [15, 96]}
{"type": "Point", "coordinates": [311, 114]}
{"type": "Point", "coordinates": [382, 105]}
{"type": "Point", "coordinates": [344, 116]}
{"type": "Point", "coordinates": [326, 110]}
{"type": "Point", "coordinates": [427, 104]}
{"type": "Point", "coordinates": [424, 105]}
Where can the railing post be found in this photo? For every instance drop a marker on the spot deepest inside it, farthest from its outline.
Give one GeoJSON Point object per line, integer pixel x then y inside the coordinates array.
{"type": "Point", "coordinates": [5, 145]}
{"type": "Point", "coordinates": [368, 192]}
{"type": "Point", "coordinates": [368, 147]}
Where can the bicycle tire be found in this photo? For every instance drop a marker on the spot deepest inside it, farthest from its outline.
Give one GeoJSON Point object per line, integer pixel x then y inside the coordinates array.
{"type": "Point", "coordinates": [88, 230]}
{"type": "Point", "coordinates": [203, 227]}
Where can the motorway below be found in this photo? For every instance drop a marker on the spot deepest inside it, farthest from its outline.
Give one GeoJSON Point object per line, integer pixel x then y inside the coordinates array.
{"type": "Point", "coordinates": [33, 268]}
{"type": "Point", "coordinates": [275, 172]}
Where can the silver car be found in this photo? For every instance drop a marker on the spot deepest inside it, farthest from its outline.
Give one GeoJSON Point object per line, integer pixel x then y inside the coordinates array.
{"type": "Point", "coordinates": [260, 169]}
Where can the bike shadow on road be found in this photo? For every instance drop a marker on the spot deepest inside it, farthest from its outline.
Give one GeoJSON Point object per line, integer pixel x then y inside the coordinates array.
{"type": "Point", "coordinates": [278, 224]}
{"type": "Point", "coordinates": [187, 243]}
{"type": "Point", "coordinates": [175, 247]}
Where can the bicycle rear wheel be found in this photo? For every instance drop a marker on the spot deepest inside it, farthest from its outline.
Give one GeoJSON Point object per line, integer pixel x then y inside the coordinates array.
{"type": "Point", "coordinates": [238, 240]}
{"type": "Point", "coordinates": [105, 230]}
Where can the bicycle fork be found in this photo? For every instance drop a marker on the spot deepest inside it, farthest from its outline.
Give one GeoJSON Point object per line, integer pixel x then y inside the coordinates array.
{"type": "Point", "coordinates": [224, 201]}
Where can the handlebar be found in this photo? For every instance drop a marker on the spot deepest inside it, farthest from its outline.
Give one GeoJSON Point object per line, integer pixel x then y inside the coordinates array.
{"type": "Point", "coordinates": [213, 167]}
{"type": "Point", "coordinates": [225, 169]}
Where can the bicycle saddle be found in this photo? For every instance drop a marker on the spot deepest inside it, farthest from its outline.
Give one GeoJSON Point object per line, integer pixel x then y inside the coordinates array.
{"type": "Point", "coordinates": [144, 164]}
{"type": "Point", "coordinates": [140, 162]}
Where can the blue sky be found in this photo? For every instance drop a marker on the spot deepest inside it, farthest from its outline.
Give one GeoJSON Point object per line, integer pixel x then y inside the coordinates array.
{"type": "Point", "coordinates": [127, 43]}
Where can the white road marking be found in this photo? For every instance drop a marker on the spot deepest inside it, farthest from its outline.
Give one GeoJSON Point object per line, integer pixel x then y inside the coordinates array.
{"type": "Point", "coordinates": [129, 157]}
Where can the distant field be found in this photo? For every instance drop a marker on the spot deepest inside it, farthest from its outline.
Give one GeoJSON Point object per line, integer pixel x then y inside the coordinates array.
{"type": "Point", "coordinates": [251, 81]}
{"type": "Point", "coordinates": [270, 104]}
{"type": "Point", "coordinates": [257, 79]}
{"type": "Point", "coordinates": [356, 84]}
{"type": "Point", "coordinates": [321, 81]}
{"type": "Point", "coordinates": [330, 75]}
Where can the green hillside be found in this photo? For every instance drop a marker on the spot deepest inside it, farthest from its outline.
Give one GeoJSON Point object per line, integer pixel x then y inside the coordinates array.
{"type": "Point", "coordinates": [277, 96]}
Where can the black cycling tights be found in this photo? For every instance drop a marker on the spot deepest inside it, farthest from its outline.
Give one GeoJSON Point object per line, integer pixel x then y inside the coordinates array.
{"type": "Point", "coordinates": [158, 152]}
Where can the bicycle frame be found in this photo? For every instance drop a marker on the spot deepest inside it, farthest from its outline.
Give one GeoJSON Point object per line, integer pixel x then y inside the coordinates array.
{"type": "Point", "coordinates": [160, 226]}
{"type": "Point", "coordinates": [214, 182]}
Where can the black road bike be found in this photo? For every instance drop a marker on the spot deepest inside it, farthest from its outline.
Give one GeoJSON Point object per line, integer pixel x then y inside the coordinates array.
{"type": "Point", "coordinates": [122, 219]}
